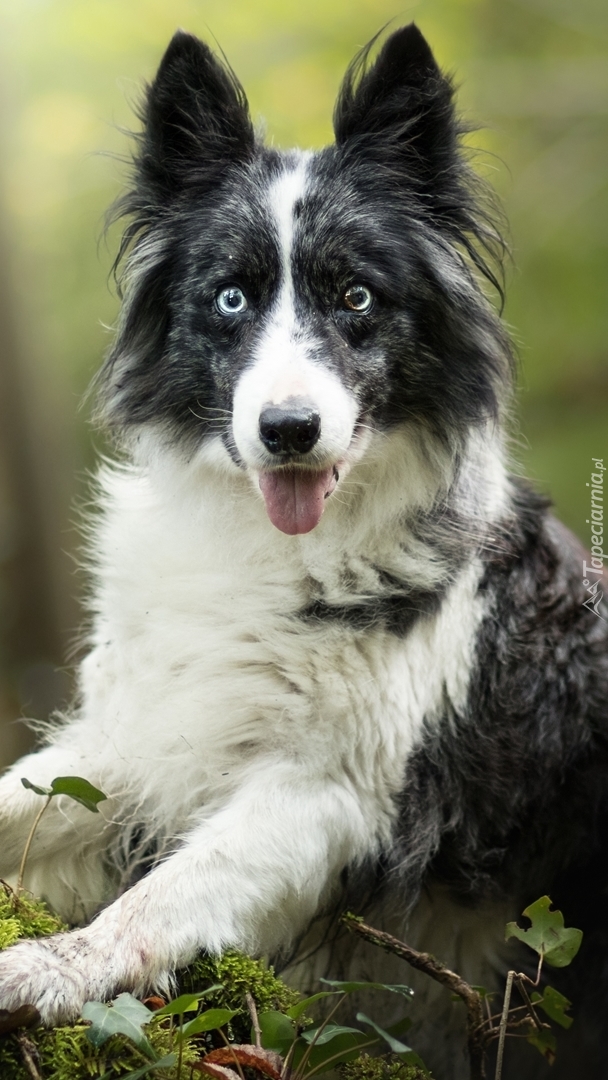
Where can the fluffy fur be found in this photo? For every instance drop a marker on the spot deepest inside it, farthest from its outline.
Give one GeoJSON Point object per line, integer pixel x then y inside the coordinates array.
{"type": "Point", "coordinates": [393, 698]}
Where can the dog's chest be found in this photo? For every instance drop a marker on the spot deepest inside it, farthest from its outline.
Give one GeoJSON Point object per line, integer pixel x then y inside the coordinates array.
{"type": "Point", "coordinates": [203, 662]}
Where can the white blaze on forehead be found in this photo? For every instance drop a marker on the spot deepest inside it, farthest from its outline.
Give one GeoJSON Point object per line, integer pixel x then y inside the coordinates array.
{"type": "Point", "coordinates": [285, 362]}
{"type": "Point", "coordinates": [284, 194]}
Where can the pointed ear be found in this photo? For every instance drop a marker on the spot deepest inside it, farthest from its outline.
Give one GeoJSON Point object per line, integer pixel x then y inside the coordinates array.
{"type": "Point", "coordinates": [400, 109]}
{"type": "Point", "coordinates": [196, 118]}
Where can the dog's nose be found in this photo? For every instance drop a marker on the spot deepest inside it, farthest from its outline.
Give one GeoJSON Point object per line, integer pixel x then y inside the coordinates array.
{"type": "Point", "coordinates": [290, 428]}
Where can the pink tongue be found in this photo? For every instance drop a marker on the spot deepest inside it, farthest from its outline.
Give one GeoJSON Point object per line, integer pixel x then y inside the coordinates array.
{"type": "Point", "coordinates": [295, 499]}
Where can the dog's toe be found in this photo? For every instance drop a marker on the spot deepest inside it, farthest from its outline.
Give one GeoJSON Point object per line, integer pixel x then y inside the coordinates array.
{"type": "Point", "coordinates": [31, 973]}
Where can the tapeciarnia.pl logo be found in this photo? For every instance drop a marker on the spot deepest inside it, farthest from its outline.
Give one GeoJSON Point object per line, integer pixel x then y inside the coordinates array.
{"type": "Point", "coordinates": [594, 572]}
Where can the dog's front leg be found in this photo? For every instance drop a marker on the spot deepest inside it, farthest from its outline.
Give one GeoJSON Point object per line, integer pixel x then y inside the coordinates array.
{"type": "Point", "coordinates": [65, 826]}
{"type": "Point", "coordinates": [251, 876]}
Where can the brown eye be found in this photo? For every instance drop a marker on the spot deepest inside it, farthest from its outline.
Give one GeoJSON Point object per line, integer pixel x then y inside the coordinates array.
{"type": "Point", "coordinates": [358, 298]}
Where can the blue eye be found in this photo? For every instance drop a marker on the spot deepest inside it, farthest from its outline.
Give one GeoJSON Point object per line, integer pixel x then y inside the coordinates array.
{"type": "Point", "coordinates": [231, 301]}
{"type": "Point", "coordinates": [358, 298]}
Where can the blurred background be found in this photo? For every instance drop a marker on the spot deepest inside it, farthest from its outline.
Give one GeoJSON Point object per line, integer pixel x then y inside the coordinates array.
{"type": "Point", "coordinates": [534, 73]}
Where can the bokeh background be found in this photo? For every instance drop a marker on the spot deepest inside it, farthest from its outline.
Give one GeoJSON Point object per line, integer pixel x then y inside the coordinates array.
{"type": "Point", "coordinates": [534, 73]}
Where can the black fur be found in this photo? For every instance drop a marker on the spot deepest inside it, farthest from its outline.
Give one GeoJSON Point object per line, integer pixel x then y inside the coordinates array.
{"type": "Point", "coordinates": [508, 797]}
{"type": "Point", "coordinates": [393, 203]}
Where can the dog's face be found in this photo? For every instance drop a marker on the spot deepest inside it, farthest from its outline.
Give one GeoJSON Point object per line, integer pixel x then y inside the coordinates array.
{"type": "Point", "coordinates": [294, 305]}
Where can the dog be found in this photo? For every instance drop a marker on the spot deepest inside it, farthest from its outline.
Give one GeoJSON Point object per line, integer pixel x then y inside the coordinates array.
{"type": "Point", "coordinates": [337, 653]}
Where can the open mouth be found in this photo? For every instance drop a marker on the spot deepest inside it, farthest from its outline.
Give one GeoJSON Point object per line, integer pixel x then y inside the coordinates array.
{"type": "Point", "coordinates": [295, 496]}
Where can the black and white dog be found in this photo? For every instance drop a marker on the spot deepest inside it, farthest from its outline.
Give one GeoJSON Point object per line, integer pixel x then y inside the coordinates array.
{"type": "Point", "coordinates": [337, 653]}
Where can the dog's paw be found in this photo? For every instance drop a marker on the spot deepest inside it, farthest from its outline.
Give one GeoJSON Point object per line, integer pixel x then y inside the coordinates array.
{"type": "Point", "coordinates": [40, 973]}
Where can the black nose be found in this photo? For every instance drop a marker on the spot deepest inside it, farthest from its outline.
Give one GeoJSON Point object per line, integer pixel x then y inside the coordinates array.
{"type": "Point", "coordinates": [290, 428]}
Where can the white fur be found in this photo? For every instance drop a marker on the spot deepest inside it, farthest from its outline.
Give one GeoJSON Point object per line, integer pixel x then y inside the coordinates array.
{"type": "Point", "coordinates": [264, 753]}
{"type": "Point", "coordinates": [283, 364]}
{"type": "Point", "coordinates": [260, 753]}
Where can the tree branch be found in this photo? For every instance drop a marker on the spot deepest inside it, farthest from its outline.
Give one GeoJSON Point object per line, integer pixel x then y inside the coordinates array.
{"type": "Point", "coordinates": [476, 1037]}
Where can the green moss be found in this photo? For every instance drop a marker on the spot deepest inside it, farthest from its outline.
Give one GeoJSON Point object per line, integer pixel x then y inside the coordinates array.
{"type": "Point", "coordinates": [25, 918]}
{"type": "Point", "coordinates": [11, 1062]}
{"type": "Point", "coordinates": [384, 1067]}
{"type": "Point", "coordinates": [238, 975]}
{"type": "Point", "coordinates": [67, 1054]}
{"type": "Point", "coordinates": [9, 932]}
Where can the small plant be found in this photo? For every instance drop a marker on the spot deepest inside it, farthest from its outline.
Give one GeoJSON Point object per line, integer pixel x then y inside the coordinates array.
{"type": "Point", "coordinates": [554, 943]}
{"type": "Point", "coordinates": [282, 1043]}
{"type": "Point", "coordinates": [75, 788]}
{"type": "Point", "coordinates": [234, 1018]}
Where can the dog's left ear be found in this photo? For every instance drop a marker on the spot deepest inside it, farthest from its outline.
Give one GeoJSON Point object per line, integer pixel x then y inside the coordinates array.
{"type": "Point", "coordinates": [400, 111]}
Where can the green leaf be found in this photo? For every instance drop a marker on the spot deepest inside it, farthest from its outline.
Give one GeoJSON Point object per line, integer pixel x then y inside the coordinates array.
{"type": "Point", "coordinates": [414, 1059]}
{"type": "Point", "coordinates": [401, 1026]}
{"type": "Point", "coordinates": [395, 1044]}
{"type": "Point", "coordinates": [325, 1057]}
{"type": "Point", "coordinates": [555, 1005]}
{"type": "Point", "coordinates": [162, 1063]}
{"type": "Point", "coordinates": [330, 1031]}
{"type": "Point", "coordinates": [547, 935]}
{"type": "Point", "coordinates": [278, 1031]}
{"type": "Point", "coordinates": [545, 1043]}
{"type": "Point", "coordinates": [78, 789]}
{"type": "Point", "coordinates": [35, 787]}
{"type": "Point", "coordinates": [126, 1016]}
{"type": "Point", "coordinates": [186, 1002]}
{"type": "Point", "coordinates": [207, 1021]}
{"type": "Point", "coordinates": [296, 1010]}
{"type": "Point", "coordinates": [353, 987]}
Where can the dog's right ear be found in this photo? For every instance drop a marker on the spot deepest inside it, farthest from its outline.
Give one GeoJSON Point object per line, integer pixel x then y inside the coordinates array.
{"type": "Point", "coordinates": [196, 120]}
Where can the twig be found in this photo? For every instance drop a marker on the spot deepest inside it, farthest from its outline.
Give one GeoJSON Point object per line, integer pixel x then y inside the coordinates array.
{"type": "Point", "coordinates": [529, 1006]}
{"type": "Point", "coordinates": [29, 1054]}
{"type": "Point", "coordinates": [255, 1023]}
{"type": "Point", "coordinates": [299, 1073]}
{"type": "Point", "coordinates": [503, 1025]}
{"type": "Point", "coordinates": [28, 844]}
{"type": "Point", "coordinates": [236, 1060]}
{"type": "Point", "coordinates": [489, 1012]}
{"type": "Point", "coordinates": [476, 1035]}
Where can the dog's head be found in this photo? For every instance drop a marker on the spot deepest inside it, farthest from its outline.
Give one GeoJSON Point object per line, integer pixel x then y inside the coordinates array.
{"type": "Point", "coordinates": [292, 307]}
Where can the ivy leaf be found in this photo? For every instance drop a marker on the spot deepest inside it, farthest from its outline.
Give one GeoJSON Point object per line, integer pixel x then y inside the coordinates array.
{"type": "Point", "coordinates": [278, 1031]}
{"type": "Point", "coordinates": [555, 1005]}
{"type": "Point", "coordinates": [354, 987]}
{"type": "Point", "coordinates": [36, 787]}
{"type": "Point", "coordinates": [125, 1016]}
{"type": "Point", "coordinates": [545, 1043]}
{"type": "Point", "coordinates": [207, 1021]}
{"type": "Point", "coordinates": [186, 1002]}
{"type": "Point", "coordinates": [547, 935]}
{"type": "Point", "coordinates": [80, 790]}
{"type": "Point", "coordinates": [74, 786]}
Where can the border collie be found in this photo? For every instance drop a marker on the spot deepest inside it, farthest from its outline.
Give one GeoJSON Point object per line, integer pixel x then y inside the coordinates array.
{"type": "Point", "coordinates": [337, 653]}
